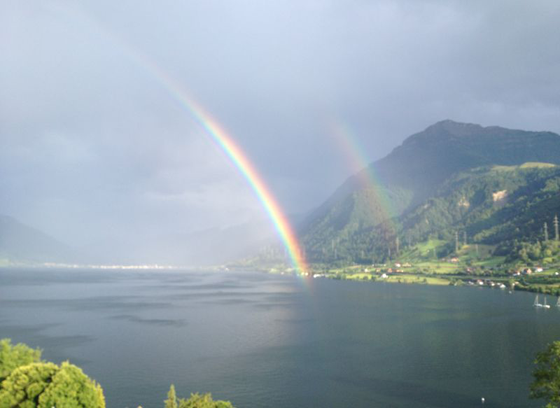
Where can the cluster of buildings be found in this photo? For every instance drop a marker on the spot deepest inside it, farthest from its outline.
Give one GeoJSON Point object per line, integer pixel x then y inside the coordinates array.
{"type": "Point", "coordinates": [486, 282]}
{"type": "Point", "coordinates": [527, 271]}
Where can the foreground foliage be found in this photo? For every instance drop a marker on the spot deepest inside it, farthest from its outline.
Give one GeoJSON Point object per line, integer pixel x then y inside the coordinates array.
{"type": "Point", "coordinates": [14, 356]}
{"type": "Point", "coordinates": [195, 401]}
{"type": "Point", "coordinates": [547, 375]}
{"type": "Point", "coordinates": [48, 385]}
{"type": "Point", "coordinates": [28, 382]}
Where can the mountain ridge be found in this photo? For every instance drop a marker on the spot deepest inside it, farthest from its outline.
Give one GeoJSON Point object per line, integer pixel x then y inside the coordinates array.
{"type": "Point", "coordinates": [412, 174]}
{"type": "Point", "coordinates": [22, 243]}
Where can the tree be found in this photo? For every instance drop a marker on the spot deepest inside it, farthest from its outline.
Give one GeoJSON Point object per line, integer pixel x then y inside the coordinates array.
{"type": "Point", "coordinates": [12, 357]}
{"type": "Point", "coordinates": [24, 385]}
{"type": "Point", "coordinates": [70, 387]}
{"type": "Point", "coordinates": [547, 375]}
{"type": "Point", "coordinates": [171, 401]}
{"type": "Point", "coordinates": [203, 401]}
{"type": "Point", "coordinates": [45, 385]}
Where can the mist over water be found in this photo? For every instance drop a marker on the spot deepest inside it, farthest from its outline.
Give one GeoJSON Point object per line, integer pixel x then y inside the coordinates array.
{"type": "Point", "coordinates": [276, 341]}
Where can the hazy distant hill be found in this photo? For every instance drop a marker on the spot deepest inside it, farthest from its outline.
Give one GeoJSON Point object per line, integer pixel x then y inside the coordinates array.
{"type": "Point", "coordinates": [207, 247]}
{"type": "Point", "coordinates": [21, 243]}
{"type": "Point", "coordinates": [429, 174]}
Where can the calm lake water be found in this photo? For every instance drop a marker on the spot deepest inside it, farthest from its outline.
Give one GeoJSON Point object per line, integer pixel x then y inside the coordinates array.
{"type": "Point", "coordinates": [277, 341]}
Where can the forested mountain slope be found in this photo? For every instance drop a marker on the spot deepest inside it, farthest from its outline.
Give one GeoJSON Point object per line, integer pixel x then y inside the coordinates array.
{"type": "Point", "coordinates": [438, 181]}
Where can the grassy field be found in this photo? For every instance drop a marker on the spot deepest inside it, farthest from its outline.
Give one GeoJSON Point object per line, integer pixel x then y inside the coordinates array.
{"type": "Point", "coordinates": [491, 262]}
{"type": "Point", "coordinates": [399, 278]}
{"type": "Point", "coordinates": [359, 276]}
{"type": "Point", "coordinates": [551, 271]}
{"type": "Point", "coordinates": [424, 251]}
{"type": "Point", "coordinates": [439, 267]}
{"type": "Point", "coordinates": [420, 279]}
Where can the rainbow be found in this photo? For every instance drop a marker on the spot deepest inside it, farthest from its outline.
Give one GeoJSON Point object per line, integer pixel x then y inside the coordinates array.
{"type": "Point", "coordinates": [237, 157]}
{"type": "Point", "coordinates": [218, 135]}
{"type": "Point", "coordinates": [360, 165]}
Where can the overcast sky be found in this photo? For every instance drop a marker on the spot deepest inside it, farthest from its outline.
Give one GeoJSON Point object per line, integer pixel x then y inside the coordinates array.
{"type": "Point", "coordinates": [93, 149]}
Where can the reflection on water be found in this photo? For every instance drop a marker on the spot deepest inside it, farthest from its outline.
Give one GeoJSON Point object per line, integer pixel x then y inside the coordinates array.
{"type": "Point", "coordinates": [274, 341]}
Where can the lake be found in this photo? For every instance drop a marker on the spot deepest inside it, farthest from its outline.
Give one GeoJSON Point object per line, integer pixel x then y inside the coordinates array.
{"type": "Point", "coordinates": [278, 341]}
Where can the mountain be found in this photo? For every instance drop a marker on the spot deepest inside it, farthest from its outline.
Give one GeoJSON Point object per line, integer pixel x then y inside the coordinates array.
{"type": "Point", "coordinates": [432, 170]}
{"type": "Point", "coordinates": [23, 244]}
{"type": "Point", "coordinates": [489, 204]}
{"type": "Point", "coordinates": [496, 206]}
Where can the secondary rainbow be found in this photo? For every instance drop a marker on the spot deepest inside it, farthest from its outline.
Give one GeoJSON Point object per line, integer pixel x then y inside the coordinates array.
{"type": "Point", "coordinates": [360, 165]}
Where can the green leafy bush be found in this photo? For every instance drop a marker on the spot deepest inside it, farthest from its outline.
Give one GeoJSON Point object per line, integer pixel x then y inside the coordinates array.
{"type": "Point", "coordinates": [45, 385]}
{"type": "Point", "coordinates": [14, 356]}
{"type": "Point", "coordinates": [195, 401]}
{"type": "Point", "coordinates": [547, 375]}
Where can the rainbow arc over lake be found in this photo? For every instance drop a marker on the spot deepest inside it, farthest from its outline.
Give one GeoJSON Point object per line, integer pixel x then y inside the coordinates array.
{"type": "Point", "coordinates": [237, 157]}
{"type": "Point", "coordinates": [212, 128]}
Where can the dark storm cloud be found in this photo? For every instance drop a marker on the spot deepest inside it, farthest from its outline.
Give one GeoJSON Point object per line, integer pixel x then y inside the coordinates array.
{"type": "Point", "coordinates": [93, 147]}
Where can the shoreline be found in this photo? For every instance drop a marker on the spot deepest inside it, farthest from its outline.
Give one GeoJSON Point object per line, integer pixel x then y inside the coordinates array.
{"type": "Point", "coordinates": [488, 282]}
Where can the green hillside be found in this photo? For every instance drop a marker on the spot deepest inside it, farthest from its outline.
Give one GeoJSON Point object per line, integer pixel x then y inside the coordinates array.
{"type": "Point", "coordinates": [485, 206]}
{"type": "Point", "coordinates": [492, 185]}
{"type": "Point", "coordinates": [490, 206]}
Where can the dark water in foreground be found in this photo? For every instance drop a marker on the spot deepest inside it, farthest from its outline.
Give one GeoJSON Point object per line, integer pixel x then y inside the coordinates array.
{"type": "Point", "coordinates": [273, 341]}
